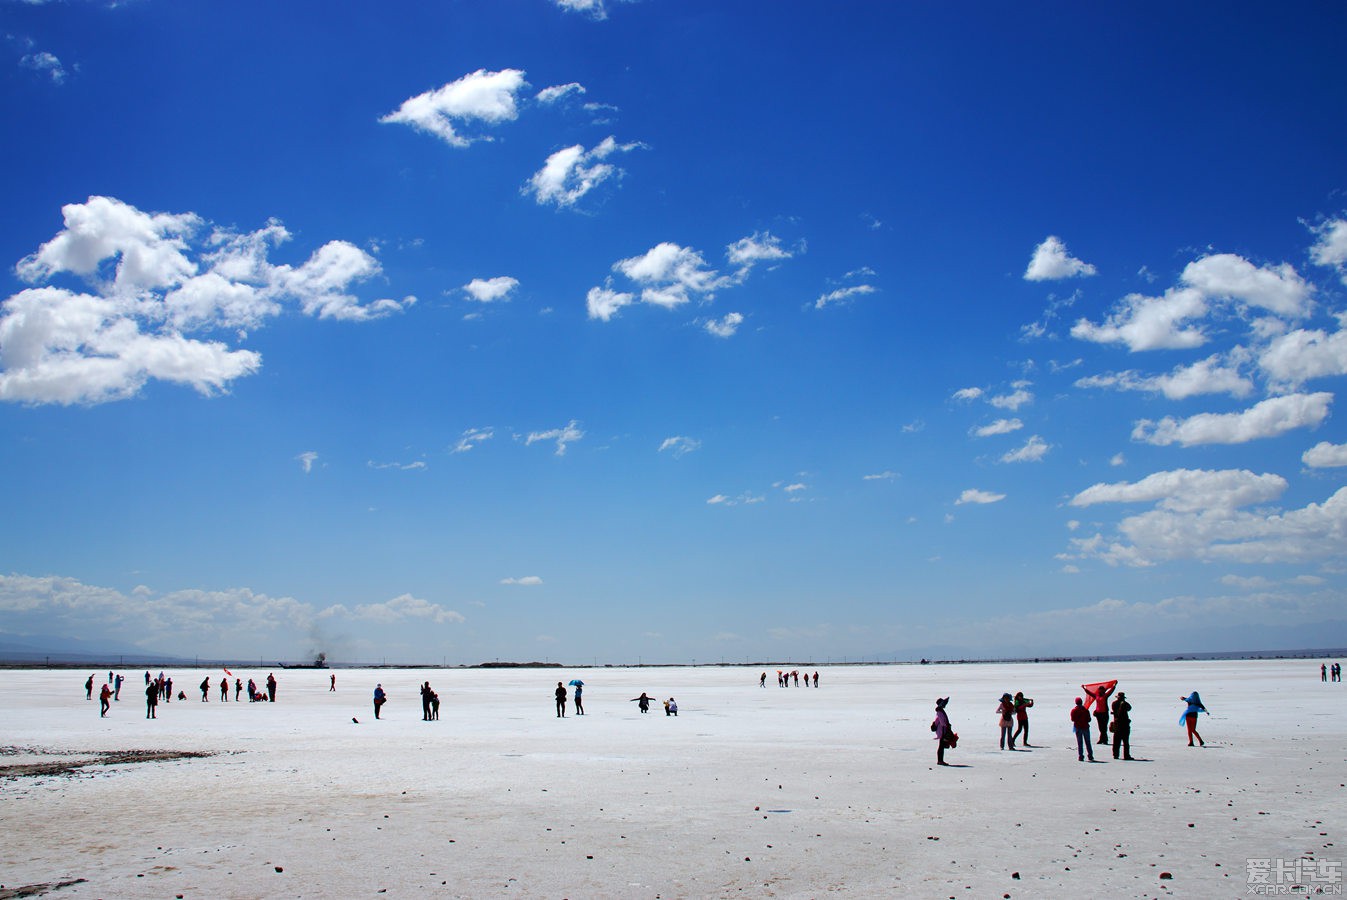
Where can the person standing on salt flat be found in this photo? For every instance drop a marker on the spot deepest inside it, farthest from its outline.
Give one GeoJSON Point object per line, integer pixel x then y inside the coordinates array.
{"type": "Point", "coordinates": [1122, 726]}
{"type": "Point", "coordinates": [151, 699]}
{"type": "Point", "coordinates": [238, 688]}
{"type": "Point", "coordinates": [426, 694]}
{"type": "Point", "coordinates": [944, 732]}
{"type": "Point", "coordinates": [89, 688]}
{"type": "Point", "coordinates": [1099, 692]}
{"type": "Point", "coordinates": [642, 701]}
{"type": "Point", "coordinates": [1006, 712]}
{"type": "Point", "coordinates": [1022, 705]}
{"type": "Point", "coordinates": [1189, 717]}
{"type": "Point", "coordinates": [271, 687]}
{"type": "Point", "coordinates": [333, 686]}
{"type": "Point", "coordinates": [104, 696]}
{"type": "Point", "coordinates": [1080, 723]}
{"type": "Point", "coordinates": [117, 687]}
{"type": "Point", "coordinates": [224, 690]}
{"type": "Point", "coordinates": [560, 694]}
{"type": "Point", "coordinates": [380, 698]}
{"type": "Point", "coordinates": [205, 689]}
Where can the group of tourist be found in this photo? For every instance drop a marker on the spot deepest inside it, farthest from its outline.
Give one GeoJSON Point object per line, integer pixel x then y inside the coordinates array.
{"type": "Point", "coordinates": [1113, 718]}
{"type": "Point", "coordinates": [161, 689]}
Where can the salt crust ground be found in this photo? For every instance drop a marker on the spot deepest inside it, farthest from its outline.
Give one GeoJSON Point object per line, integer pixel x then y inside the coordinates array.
{"type": "Point", "coordinates": [749, 792]}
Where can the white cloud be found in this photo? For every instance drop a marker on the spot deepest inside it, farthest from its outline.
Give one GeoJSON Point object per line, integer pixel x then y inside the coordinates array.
{"type": "Point", "coordinates": [481, 96]}
{"type": "Point", "coordinates": [1051, 262]}
{"type": "Point", "coordinates": [47, 63]}
{"type": "Point", "coordinates": [1189, 490]}
{"type": "Point", "coordinates": [472, 437]}
{"type": "Point", "coordinates": [1331, 247]}
{"type": "Point", "coordinates": [563, 436]}
{"type": "Point", "coordinates": [1298, 356]}
{"type": "Point", "coordinates": [880, 476]}
{"type": "Point", "coordinates": [725, 326]}
{"type": "Point", "coordinates": [669, 265]}
{"type": "Point", "coordinates": [572, 172]}
{"type": "Point", "coordinates": [306, 460]}
{"type": "Point", "coordinates": [1117, 459]}
{"type": "Point", "coordinates": [556, 92]}
{"type": "Point", "coordinates": [1278, 289]}
{"type": "Point", "coordinates": [1324, 455]}
{"type": "Point", "coordinates": [489, 290]}
{"type": "Point", "coordinates": [745, 499]}
{"type": "Point", "coordinates": [1269, 418]}
{"type": "Point", "coordinates": [793, 488]}
{"type": "Point", "coordinates": [1150, 323]}
{"type": "Point", "coordinates": [680, 445]}
{"type": "Point", "coordinates": [1033, 450]}
{"type": "Point", "coordinates": [843, 295]}
{"type": "Point", "coordinates": [1000, 426]}
{"type": "Point", "coordinates": [399, 608]}
{"type": "Point", "coordinates": [603, 303]}
{"type": "Point", "coordinates": [1223, 533]}
{"type": "Point", "coordinates": [526, 581]}
{"type": "Point", "coordinates": [595, 9]}
{"type": "Point", "coordinates": [415, 466]}
{"type": "Point", "coordinates": [1212, 375]}
{"type": "Point", "coordinates": [1012, 401]}
{"type": "Point", "coordinates": [973, 495]}
{"type": "Point", "coordinates": [761, 246]}
{"type": "Point", "coordinates": [968, 393]}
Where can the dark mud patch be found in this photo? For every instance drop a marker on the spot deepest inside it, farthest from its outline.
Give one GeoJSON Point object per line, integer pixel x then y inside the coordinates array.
{"type": "Point", "coordinates": [47, 763]}
{"type": "Point", "coordinates": [37, 890]}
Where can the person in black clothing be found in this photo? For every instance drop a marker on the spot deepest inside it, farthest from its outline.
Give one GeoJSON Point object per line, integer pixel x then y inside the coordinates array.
{"type": "Point", "coordinates": [271, 687]}
{"type": "Point", "coordinates": [151, 699]}
{"type": "Point", "coordinates": [205, 689]}
{"type": "Point", "coordinates": [224, 690]}
{"type": "Point", "coordinates": [89, 688]}
{"type": "Point", "coordinates": [426, 694]}
{"type": "Point", "coordinates": [561, 701]}
{"type": "Point", "coordinates": [1122, 726]}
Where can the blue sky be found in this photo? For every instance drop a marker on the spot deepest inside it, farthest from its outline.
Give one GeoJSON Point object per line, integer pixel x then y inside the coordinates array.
{"type": "Point", "coordinates": [665, 331]}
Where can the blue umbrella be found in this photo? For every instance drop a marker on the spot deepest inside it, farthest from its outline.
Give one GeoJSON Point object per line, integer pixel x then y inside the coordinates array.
{"type": "Point", "coordinates": [576, 682]}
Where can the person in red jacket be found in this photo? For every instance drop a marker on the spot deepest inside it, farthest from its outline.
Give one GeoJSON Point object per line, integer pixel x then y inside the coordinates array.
{"type": "Point", "coordinates": [1080, 719]}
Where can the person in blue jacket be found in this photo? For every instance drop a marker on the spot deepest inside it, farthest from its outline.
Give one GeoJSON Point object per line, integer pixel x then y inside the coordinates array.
{"type": "Point", "coordinates": [1189, 717]}
{"type": "Point", "coordinates": [380, 698]}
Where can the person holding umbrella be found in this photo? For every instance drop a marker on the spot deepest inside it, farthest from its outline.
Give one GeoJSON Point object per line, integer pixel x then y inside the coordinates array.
{"type": "Point", "coordinates": [579, 688]}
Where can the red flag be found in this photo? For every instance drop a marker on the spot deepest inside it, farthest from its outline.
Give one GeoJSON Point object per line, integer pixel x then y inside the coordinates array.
{"type": "Point", "coordinates": [227, 672]}
{"type": "Point", "coordinates": [1098, 690]}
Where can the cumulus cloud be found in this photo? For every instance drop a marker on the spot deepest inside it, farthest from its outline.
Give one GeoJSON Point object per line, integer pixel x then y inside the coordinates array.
{"type": "Point", "coordinates": [1271, 417]}
{"type": "Point", "coordinates": [603, 303]}
{"type": "Point", "coordinates": [154, 278]}
{"type": "Point", "coordinates": [1330, 246]}
{"type": "Point", "coordinates": [556, 92]}
{"type": "Point", "coordinates": [568, 434]}
{"type": "Point", "coordinates": [398, 609]}
{"type": "Point", "coordinates": [47, 64]}
{"type": "Point", "coordinates": [1014, 400]}
{"type": "Point", "coordinates": [761, 246]}
{"type": "Point", "coordinates": [572, 172]}
{"type": "Point", "coordinates": [1213, 375]}
{"type": "Point", "coordinates": [1000, 426]}
{"type": "Point", "coordinates": [1051, 262]}
{"type": "Point", "coordinates": [725, 326]}
{"type": "Point", "coordinates": [972, 495]}
{"type": "Point", "coordinates": [1216, 528]}
{"type": "Point", "coordinates": [1324, 455]}
{"type": "Point", "coordinates": [843, 295]}
{"type": "Point", "coordinates": [489, 290]}
{"type": "Point", "coordinates": [1293, 358]}
{"type": "Point", "coordinates": [1189, 490]}
{"type": "Point", "coordinates": [1167, 322]}
{"type": "Point", "coordinates": [679, 445]}
{"type": "Point", "coordinates": [1033, 450]}
{"type": "Point", "coordinates": [478, 97]}
{"type": "Point", "coordinates": [1150, 323]}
